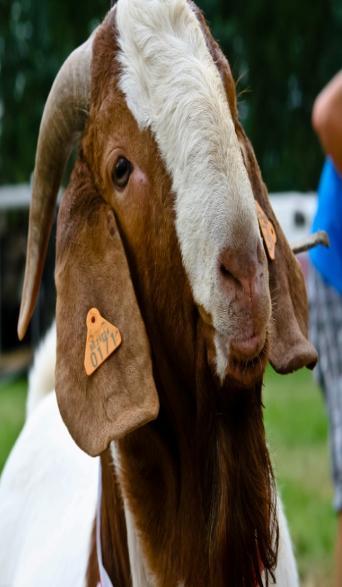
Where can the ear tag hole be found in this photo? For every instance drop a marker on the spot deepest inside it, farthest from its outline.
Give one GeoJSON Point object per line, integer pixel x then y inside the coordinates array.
{"type": "Point", "coordinates": [103, 338]}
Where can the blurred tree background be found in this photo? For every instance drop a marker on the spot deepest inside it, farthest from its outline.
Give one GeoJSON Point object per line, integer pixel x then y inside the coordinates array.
{"type": "Point", "coordinates": [281, 53]}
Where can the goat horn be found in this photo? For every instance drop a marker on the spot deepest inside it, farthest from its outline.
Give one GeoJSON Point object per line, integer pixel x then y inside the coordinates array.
{"type": "Point", "coordinates": [64, 117]}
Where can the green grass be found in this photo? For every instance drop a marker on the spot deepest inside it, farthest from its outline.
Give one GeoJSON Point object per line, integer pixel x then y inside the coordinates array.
{"type": "Point", "coordinates": [12, 413]}
{"type": "Point", "coordinates": [297, 434]}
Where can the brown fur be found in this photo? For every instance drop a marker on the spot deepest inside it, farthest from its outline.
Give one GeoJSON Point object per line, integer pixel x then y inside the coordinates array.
{"type": "Point", "coordinates": [113, 531]}
{"type": "Point", "coordinates": [91, 264]}
{"type": "Point", "coordinates": [93, 576]}
{"type": "Point", "coordinates": [198, 479]}
{"type": "Point", "coordinates": [114, 551]}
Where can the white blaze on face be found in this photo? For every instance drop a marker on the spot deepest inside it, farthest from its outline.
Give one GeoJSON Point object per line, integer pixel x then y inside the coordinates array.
{"type": "Point", "coordinates": [172, 85]}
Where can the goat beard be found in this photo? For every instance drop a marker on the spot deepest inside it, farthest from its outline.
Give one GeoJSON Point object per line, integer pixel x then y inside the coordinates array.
{"type": "Point", "coordinates": [237, 483]}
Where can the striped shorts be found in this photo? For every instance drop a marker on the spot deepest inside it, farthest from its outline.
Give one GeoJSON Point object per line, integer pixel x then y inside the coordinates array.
{"type": "Point", "coordinates": [326, 334]}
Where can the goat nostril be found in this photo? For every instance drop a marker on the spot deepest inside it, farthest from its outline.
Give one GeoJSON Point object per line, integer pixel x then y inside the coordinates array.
{"type": "Point", "coordinates": [229, 277]}
{"type": "Point", "coordinates": [240, 269]}
{"type": "Point", "coordinates": [225, 272]}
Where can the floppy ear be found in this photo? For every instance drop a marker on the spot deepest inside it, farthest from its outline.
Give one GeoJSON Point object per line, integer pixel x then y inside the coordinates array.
{"type": "Point", "coordinates": [289, 346]}
{"type": "Point", "coordinates": [92, 272]}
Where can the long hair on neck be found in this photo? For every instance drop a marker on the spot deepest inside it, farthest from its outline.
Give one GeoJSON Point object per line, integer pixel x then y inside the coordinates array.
{"type": "Point", "coordinates": [236, 482]}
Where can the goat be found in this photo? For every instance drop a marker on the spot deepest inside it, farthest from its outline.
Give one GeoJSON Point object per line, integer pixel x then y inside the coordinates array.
{"type": "Point", "coordinates": [158, 231]}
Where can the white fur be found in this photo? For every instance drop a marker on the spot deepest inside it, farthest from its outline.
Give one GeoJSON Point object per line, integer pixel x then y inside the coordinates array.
{"type": "Point", "coordinates": [48, 493]}
{"type": "Point", "coordinates": [173, 86]}
{"type": "Point", "coordinates": [140, 575]}
{"type": "Point", "coordinates": [42, 374]}
{"type": "Point", "coordinates": [286, 572]}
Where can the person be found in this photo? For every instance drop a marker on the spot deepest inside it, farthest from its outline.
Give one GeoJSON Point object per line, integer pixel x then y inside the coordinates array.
{"type": "Point", "coordinates": [325, 283]}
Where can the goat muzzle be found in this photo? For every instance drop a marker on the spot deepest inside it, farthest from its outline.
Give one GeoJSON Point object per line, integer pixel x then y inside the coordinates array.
{"type": "Point", "coordinates": [244, 280]}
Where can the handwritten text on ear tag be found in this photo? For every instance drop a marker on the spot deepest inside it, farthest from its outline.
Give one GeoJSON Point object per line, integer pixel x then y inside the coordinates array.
{"type": "Point", "coordinates": [102, 340]}
{"type": "Point", "coordinates": [268, 232]}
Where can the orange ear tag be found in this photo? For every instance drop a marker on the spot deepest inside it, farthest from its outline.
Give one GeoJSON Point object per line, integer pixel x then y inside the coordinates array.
{"type": "Point", "coordinates": [102, 340]}
{"type": "Point", "coordinates": [267, 230]}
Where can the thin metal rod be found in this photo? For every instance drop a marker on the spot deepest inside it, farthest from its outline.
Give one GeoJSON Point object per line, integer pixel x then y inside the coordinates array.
{"type": "Point", "coordinates": [318, 238]}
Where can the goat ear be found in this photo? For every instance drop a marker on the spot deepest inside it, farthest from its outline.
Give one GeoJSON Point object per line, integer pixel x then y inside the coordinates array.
{"type": "Point", "coordinates": [290, 348]}
{"type": "Point", "coordinates": [92, 271]}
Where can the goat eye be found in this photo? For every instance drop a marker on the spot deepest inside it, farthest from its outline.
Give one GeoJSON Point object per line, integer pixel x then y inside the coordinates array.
{"type": "Point", "coordinates": [121, 172]}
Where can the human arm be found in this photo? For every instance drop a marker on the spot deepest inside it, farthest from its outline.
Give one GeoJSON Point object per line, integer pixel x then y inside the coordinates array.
{"type": "Point", "coordinates": [327, 119]}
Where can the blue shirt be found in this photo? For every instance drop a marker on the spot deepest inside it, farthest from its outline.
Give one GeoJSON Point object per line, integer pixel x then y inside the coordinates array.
{"type": "Point", "coordinates": [328, 262]}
